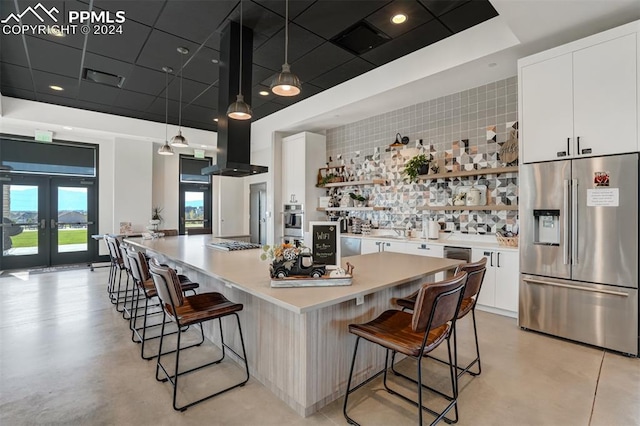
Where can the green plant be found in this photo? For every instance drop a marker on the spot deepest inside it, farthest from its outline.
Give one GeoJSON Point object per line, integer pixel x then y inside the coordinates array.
{"type": "Point", "coordinates": [328, 178]}
{"type": "Point", "coordinates": [357, 197]}
{"type": "Point", "coordinates": [155, 213]}
{"type": "Point", "coordinates": [412, 168]}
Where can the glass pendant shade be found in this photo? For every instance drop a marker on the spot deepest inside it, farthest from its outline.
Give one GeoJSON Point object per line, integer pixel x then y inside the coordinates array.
{"type": "Point", "coordinates": [165, 149]}
{"type": "Point", "coordinates": [179, 141]}
{"type": "Point", "coordinates": [239, 110]}
{"type": "Point", "coordinates": [286, 83]}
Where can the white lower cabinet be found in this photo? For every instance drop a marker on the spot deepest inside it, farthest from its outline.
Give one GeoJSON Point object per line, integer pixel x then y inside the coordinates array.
{"type": "Point", "coordinates": [499, 290]}
{"type": "Point", "coordinates": [375, 246]}
{"type": "Point", "coordinates": [424, 249]}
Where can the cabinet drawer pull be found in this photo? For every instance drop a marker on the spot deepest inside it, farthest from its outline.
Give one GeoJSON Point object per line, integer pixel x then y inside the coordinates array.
{"type": "Point", "coordinates": [568, 146]}
{"type": "Point", "coordinates": [575, 287]}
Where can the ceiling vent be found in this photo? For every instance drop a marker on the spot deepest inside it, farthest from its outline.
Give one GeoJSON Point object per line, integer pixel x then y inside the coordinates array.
{"type": "Point", "coordinates": [103, 78]}
{"type": "Point", "coordinates": [360, 38]}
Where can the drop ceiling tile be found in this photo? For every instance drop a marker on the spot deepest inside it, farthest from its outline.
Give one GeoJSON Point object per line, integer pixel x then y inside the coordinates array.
{"type": "Point", "coordinates": [278, 6]}
{"type": "Point", "coordinates": [13, 92]}
{"type": "Point", "coordinates": [98, 93]}
{"type": "Point", "coordinates": [208, 99]}
{"type": "Point", "coordinates": [468, 15]}
{"type": "Point", "coordinates": [133, 100]}
{"type": "Point", "coordinates": [74, 37]}
{"type": "Point", "coordinates": [195, 22]}
{"type": "Point", "coordinates": [199, 125]}
{"type": "Point", "coordinates": [271, 54]}
{"type": "Point", "coordinates": [266, 109]}
{"type": "Point", "coordinates": [16, 76]}
{"type": "Point", "coordinates": [328, 18]}
{"type": "Point", "coordinates": [125, 47]}
{"type": "Point", "coordinates": [261, 20]}
{"type": "Point", "coordinates": [440, 7]}
{"type": "Point", "coordinates": [198, 113]}
{"type": "Point", "coordinates": [158, 107]}
{"type": "Point", "coordinates": [107, 65]}
{"type": "Point", "coordinates": [320, 60]}
{"type": "Point", "coordinates": [415, 12]}
{"type": "Point", "coordinates": [190, 89]}
{"type": "Point", "coordinates": [12, 50]}
{"type": "Point", "coordinates": [145, 80]}
{"type": "Point", "coordinates": [259, 74]}
{"type": "Point", "coordinates": [424, 35]}
{"type": "Point", "coordinates": [53, 57]}
{"type": "Point", "coordinates": [342, 73]}
{"type": "Point", "coordinates": [145, 12]}
{"type": "Point", "coordinates": [43, 80]}
{"type": "Point", "coordinates": [161, 50]}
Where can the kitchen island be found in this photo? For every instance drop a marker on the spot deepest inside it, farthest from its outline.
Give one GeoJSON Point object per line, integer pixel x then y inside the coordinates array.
{"type": "Point", "coordinates": [297, 339]}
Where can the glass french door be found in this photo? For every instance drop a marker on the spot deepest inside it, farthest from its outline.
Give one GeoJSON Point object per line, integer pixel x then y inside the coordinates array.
{"type": "Point", "coordinates": [47, 221]}
{"type": "Point", "coordinates": [195, 208]}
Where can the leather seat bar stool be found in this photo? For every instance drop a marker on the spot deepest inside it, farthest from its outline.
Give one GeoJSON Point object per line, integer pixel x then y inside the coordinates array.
{"type": "Point", "coordinates": [127, 311]}
{"type": "Point", "coordinates": [116, 294]}
{"type": "Point", "coordinates": [415, 335]}
{"type": "Point", "coordinates": [144, 285]}
{"type": "Point", "coordinates": [193, 310]}
{"type": "Point", "coordinates": [475, 272]}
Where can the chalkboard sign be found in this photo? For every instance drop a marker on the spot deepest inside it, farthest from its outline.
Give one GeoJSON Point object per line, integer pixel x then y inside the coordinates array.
{"type": "Point", "coordinates": [325, 242]}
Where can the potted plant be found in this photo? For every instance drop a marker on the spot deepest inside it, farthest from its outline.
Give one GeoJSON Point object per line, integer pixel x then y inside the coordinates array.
{"type": "Point", "coordinates": [358, 199]}
{"type": "Point", "coordinates": [156, 219]}
{"type": "Point", "coordinates": [417, 165]}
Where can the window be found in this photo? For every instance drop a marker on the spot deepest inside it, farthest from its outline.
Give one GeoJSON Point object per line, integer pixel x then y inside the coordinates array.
{"type": "Point", "coordinates": [195, 196]}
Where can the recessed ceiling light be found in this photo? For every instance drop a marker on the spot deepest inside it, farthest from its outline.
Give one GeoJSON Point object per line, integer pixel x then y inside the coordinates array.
{"type": "Point", "coordinates": [263, 92]}
{"type": "Point", "coordinates": [56, 32]}
{"type": "Point", "coordinates": [215, 119]}
{"type": "Point", "coordinates": [215, 61]}
{"type": "Point", "coordinates": [67, 128]}
{"type": "Point", "coordinates": [56, 88]}
{"type": "Point", "coordinates": [399, 18]}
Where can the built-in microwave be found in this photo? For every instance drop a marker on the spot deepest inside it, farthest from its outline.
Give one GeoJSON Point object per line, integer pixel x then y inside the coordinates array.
{"type": "Point", "coordinates": [293, 222]}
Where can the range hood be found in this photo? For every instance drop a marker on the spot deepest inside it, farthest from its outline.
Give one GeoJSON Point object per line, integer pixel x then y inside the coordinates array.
{"type": "Point", "coordinates": [233, 156]}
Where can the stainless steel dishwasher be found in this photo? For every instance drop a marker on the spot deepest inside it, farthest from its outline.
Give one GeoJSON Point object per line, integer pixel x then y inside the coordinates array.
{"type": "Point", "coordinates": [460, 253]}
{"type": "Point", "coordinates": [349, 246]}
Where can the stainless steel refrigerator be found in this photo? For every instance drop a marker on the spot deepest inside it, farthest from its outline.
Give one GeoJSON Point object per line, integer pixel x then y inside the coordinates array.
{"type": "Point", "coordinates": [579, 250]}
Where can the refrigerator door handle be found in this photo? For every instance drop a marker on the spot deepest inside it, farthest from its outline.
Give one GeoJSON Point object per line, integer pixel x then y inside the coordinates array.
{"type": "Point", "coordinates": [565, 224]}
{"type": "Point", "coordinates": [574, 221]}
{"type": "Point", "coordinates": [576, 287]}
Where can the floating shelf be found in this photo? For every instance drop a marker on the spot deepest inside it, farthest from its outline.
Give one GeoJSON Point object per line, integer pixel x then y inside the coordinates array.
{"type": "Point", "coordinates": [463, 173]}
{"type": "Point", "coordinates": [351, 209]}
{"type": "Point", "coordinates": [354, 183]}
{"type": "Point", "coordinates": [485, 207]}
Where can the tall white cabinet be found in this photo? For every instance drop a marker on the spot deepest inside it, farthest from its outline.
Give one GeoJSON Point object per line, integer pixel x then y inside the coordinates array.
{"type": "Point", "coordinates": [580, 99]}
{"type": "Point", "coordinates": [302, 155]}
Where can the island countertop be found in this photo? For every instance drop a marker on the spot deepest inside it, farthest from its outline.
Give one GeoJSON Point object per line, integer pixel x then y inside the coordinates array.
{"type": "Point", "coordinates": [244, 270]}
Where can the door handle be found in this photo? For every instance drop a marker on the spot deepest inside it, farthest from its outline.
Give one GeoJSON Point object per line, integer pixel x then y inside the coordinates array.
{"type": "Point", "coordinates": [498, 256]}
{"type": "Point", "coordinates": [574, 221]}
{"type": "Point", "coordinates": [54, 224]}
{"type": "Point", "coordinates": [491, 261]}
{"type": "Point", "coordinates": [576, 287]}
{"type": "Point", "coordinates": [43, 224]}
{"type": "Point", "coordinates": [578, 139]}
{"type": "Point", "coordinates": [568, 146]}
{"type": "Point", "coordinates": [565, 222]}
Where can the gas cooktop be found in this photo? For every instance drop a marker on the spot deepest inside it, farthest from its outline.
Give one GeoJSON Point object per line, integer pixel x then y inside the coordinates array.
{"type": "Point", "coordinates": [232, 245]}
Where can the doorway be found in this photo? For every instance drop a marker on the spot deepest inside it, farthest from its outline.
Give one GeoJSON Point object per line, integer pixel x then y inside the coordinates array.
{"type": "Point", "coordinates": [258, 212]}
{"type": "Point", "coordinates": [47, 221]}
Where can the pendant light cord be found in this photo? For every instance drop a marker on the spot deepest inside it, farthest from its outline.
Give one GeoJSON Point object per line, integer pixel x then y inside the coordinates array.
{"type": "Point", "coordinates": [240, 87]}
{"type": "Point", "coordinates": [180, 106]}
{"type": "Point", "coordinates": [286, 32]}
{"type": "Point", "coordinates": [166, 106]}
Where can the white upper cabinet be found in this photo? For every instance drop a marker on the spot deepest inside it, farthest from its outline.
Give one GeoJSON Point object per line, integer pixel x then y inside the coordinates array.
{"type": "Point", "coordinates": [580, 100]}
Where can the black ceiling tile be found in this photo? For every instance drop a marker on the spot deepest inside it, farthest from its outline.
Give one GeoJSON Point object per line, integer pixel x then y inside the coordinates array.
{"type": "Point", "coordinates": [107, 65]}
{"type": "Point", "coordinates": [319, 61]}
{"type": "Point", "coordinates": [296, 7]}
{"type": "Point", "coordinates": [343, 73]}
{"type": "Point", "coordinates": [208, 99]}
{"type": "Point", "coordinates": [98, 93]}
{"type": "Point", "coordinates": [424, 35]}
{"type": "Point", "coordinates": [468, 15]}
{"type": "Point", "coordinates": [440, 7]}
{"type": "Point", "coordinates": [213, 126]}
{"type": "Point", "coordinates": [190, 89]}
{"type": "Point", "coordinates": [73, 37]}
{"type": "Point", "coordinates": [161, 50]}
{"type": "Point", "coordinates": [261, 20]}
{"type": "Point", "coordinates": [126, 46]}
{"type": "Point", "coordinates": [53, 57]}
{"type": "Point", "coordinates": [48, 13]}
{"type": "Point", "coordinates": [271, 54]}
{"type": "Point", "coordinates": [158, 107]}
{"type": "Point", "coordinates": [12, 50]}
{"type": "Point", "coordinates": [257, 99]}
{"type": "Point", "coordinates": [259, 74]}
{"type": "Point", "coordinates": [329, 18]}
{"type": "Point", "coordinates": [13, 92]}
{"type": "Point", "coordinates": [145, 12]}
{"type": "Point", "coordinates": [133, 100]}
{"type": "Point", "coordinates": [198, 113]}
{"type": "Point", "coordinates": [415, 12]}
{"type": "Point", "coordinates": [15, 76]}
{"type": "Point", "coordinates": [266, 109]}
{"type": "Point", "coordinates": [147, 81]}
{"type": "Point", "coordinates": [195, 20]}
{"type": "Point", "coordinates": [43, 80]}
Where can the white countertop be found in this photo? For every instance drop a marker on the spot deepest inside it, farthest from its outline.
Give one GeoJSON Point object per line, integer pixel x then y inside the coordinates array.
{"type": "Point", "coordinates": [446, 239]}
{"type": "Point", "coordinates": [244, 270]}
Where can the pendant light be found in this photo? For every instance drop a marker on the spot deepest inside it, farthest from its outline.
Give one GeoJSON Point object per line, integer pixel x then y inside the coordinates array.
{"type": "Point", "coordinates": [178, 140]}
{"type": "Point", "coordinates": [286, 83]}
{"type": "Point", "coordinates": [166, 148]}
{"type": "Point", "coordinates": [240, 110]}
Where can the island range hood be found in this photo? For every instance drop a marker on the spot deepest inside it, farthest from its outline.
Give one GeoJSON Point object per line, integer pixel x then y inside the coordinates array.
{"type": "Point", "coordinates": [233, 156]}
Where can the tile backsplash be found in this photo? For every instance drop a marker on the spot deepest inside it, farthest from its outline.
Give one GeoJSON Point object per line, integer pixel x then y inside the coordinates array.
{"type": "Point", "coordinates": [462, 131]}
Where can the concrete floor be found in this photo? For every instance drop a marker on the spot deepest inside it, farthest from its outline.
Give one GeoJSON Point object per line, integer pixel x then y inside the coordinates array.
{"type": "Point", "coordinates": [66, 357]}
